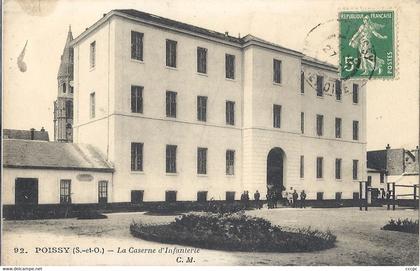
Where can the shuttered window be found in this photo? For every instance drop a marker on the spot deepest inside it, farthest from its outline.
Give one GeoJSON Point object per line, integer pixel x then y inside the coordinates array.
{"type": "Point", "coordinates": [171, 158]}
{"type": "Point", "coordinates": [201, 60]}
{"type": "Point", "coordinates": [92, 57]}
{"type": "Point", "coordinates": [302, 82]}
{"type": "Point", "coordinates": [136, 156]}
{"type": "Point", "coordinates": [171, 53]}
{"type": "Point", "coordinates": [65, 191]}
{"type": "Point", "coordinates": [92, 105]}
{"type": "Point", "coordinates": [137, 45]}
{"type": "Point", "coordinates": [276, 116]}
{"type": "Point", "coordinates": [302, 122]}
{"type": "Point", "coordinates": [171, 104]}
{"type": "Point", "coordinates": [201, 108]}
{"type": "Point", "coordinates": [319, 125]}
{"type": "Point", "coordinates": [230, 162]}
{"type": "Point", "coordinates": [319, 167]}
{"type": "Point", "coordinates": [302, 167]}
{"type": "Point", "coordinates": [338, 90]}
{"type": "Point", "coordinates": [202, 160]}
{"type": "Point", "coordinates": [355, 130]}
{"type": "Point", "coordinates": [355, 169]}
{"type": "Point", "coordinates": [319, 85]}
{"type": "Point", "coordinates": [337, 127]}
{"type": "Point", "coordinates": [276, 71]}
{"type": "Point", "coordinates": [338, 169]}
{"type": "Point", "coordinates": [136, 99]}
{"type": "Point", "coordinates": [355, 93]}
{"type": "Point", "coordinates": [230, 66]}
{"type": "Point", "coordinates": [230, 112]}
{"type": "Point", "coordinates": [202, 196]}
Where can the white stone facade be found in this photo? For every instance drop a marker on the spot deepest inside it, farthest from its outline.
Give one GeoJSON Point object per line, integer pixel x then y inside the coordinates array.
{"type": "Point", "coordinates": [114, 127]}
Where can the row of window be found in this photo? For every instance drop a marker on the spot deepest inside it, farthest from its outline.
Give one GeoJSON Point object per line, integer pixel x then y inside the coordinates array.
{"type": "Point", "coordinates": [65, 191]}
{"type": "Point", "coordinates": [171, 150]}
{"type": "Point", "coordinates": [171, 196]}
{"type": "Point", "coordinates": [171, 109]}
{"type": "Point", "coordinates": [337, 87]}
{"type": "Point", "coordinates": [171, 105]}
{"type": "Point", "coordinates": [171, 161]}
{"type": "Point", "coordinates": [171, 61]}
{"type": "Point", "coordinates": [320, 126]}
{"type": "Point", "coordinates": [320, 168]}
{"type": "Point", "coordinates": [171, 55]}
{"type": "Point", "coordinates": [319, 123]}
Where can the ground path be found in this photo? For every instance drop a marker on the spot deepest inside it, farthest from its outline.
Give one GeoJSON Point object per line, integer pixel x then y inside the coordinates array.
{"type": "Point", "coordinates": [359, 240]}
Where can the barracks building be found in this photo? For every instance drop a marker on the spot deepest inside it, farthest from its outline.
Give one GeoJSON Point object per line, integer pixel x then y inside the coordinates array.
{"type": "Point", "coordinates": [167, 111]}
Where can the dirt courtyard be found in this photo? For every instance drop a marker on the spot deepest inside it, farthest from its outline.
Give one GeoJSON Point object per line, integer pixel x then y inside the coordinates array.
{"type": "Point", "coordinates": [360, 241]}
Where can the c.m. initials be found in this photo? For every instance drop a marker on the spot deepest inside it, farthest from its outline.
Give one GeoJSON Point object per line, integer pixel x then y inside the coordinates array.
{"type": "Point", "coordinates": [187, 260]}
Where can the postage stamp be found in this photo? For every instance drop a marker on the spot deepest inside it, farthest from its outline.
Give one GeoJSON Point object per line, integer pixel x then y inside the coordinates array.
{"type": "Point", "coordinates": [367, 47]}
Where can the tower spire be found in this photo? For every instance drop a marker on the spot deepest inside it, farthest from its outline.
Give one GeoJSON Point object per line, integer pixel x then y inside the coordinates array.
{"type": "Point", "coordinates": [63, 106]}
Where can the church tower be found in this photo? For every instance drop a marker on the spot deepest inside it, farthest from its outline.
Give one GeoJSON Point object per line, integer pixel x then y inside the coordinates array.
{"type": "Point", "coordinates": [63, 106]}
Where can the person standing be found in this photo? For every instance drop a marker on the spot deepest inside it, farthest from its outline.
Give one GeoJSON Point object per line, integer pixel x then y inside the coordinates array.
{"type": "Point", "coordinates": [302, 199]}
{"type": "Point", "coordinates": [246, 199]}
{"type": "Point", "coordinates": [290, 198]}
{"type": "Point", "coordinates": [257, 199]}
{"type": "Point", "coordinates": [295, 198]}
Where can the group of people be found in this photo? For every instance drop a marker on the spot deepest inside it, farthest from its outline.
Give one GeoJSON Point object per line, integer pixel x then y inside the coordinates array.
{"type": "Point", "coordinates": [274, 197]}
{"type": "Point", "coordinates": [245, 199]}
{"type": "Point", "coordinates": [292, 198]}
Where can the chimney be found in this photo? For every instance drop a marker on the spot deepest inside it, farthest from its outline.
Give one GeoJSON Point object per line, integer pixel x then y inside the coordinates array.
{"type": "Point", "coordinates": [239, 35]}
{"type": "Point", "coordinates": [388, 147]}
{"type": "Point", "coordinates": [226, 33]}
{"type": "Point", "coordinates": [32, 133]}
{"type": "Point", "coordinates": [42, 129]}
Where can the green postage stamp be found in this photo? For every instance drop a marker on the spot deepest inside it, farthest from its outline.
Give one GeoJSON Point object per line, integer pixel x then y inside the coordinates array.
{"type": "Point", "coordinates": [367, 44]}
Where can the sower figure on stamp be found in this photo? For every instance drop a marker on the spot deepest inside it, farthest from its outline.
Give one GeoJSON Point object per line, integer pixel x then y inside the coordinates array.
{"type": "Point", "coordinates": [362, 40]}
{"type": "Point", "coordinates": [302, 199]}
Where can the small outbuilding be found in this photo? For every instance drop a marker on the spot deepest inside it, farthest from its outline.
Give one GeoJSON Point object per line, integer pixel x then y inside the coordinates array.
{"type": "Point", "coordinates": [37, 172]}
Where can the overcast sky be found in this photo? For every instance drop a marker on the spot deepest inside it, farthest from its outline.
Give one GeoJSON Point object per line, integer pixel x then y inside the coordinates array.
{"type": "Point", "coordinates": [392, 105]}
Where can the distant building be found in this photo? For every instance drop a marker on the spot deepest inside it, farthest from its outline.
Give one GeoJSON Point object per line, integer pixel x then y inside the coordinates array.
{"type": "Point", "coordinates": [31, 134]}
{"type": "Point", "coordinates": [63, 106]}
{"type": "Point", "coordinates": [401, 166]}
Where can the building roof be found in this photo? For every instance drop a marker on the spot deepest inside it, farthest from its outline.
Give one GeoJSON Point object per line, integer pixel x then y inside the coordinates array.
{"type": "Point", "coordinates": [52, 155]}
{"type": "Point", "coordinates": [176, 24]}
{"type": "Point", "coordinates": [26, 134]}
{"type": "Point", "coordinates": [195, 30]}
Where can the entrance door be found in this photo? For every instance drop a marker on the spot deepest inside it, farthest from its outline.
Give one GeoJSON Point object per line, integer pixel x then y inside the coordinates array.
{"type": "Point", "coordinates": [26, 191]}
{"type": "Point", "coordinates": [103, 192]}
{"type": "Point", "coordinates": [275, 169]}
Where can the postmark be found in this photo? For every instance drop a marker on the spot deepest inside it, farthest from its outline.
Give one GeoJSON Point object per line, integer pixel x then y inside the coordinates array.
{"type": "Point", "coordinates": [367, 47]}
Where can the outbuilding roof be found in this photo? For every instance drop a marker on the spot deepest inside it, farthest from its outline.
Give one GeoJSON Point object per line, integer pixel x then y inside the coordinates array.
{"type": "Point", "coordinates": [53, 155]}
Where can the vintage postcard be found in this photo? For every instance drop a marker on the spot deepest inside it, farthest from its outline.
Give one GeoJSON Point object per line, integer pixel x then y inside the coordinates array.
{"type": "Point", "coordinates": [210, 133]}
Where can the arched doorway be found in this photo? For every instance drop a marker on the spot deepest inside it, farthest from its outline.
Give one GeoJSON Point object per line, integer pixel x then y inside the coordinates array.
{"type": "Point", "coordinates": [275, 169]}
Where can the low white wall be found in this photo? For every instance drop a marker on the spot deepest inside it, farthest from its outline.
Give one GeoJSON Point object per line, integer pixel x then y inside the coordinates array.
{"type": "Point", "coordinates": [49, 185]}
